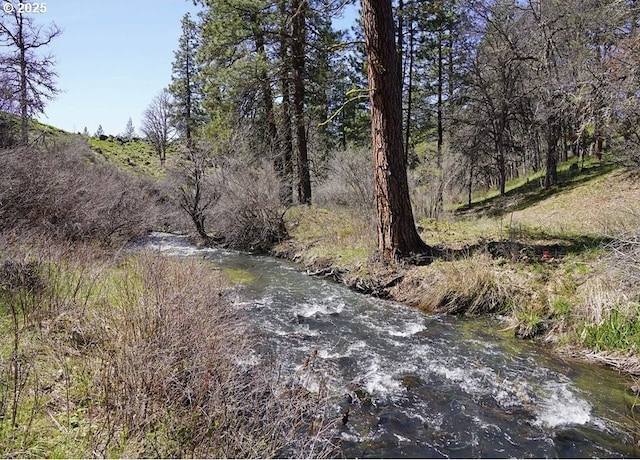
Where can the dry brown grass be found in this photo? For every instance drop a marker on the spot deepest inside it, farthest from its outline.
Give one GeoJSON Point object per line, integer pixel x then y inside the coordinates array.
{"type": "Point", "coordinates": [472, 286]}
{"type": "Point", "coordinates": [180, 364]}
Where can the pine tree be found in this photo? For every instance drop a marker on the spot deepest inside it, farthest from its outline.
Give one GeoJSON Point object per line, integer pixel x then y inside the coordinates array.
{"type": "Point", "coordinates": [99, 131]}
{"type": "Point", "coordinates": [397, 234]}
{"type": "Point", "coordinates": [129, 131]}
{"type": "Point", "coordinates": [185, 87]}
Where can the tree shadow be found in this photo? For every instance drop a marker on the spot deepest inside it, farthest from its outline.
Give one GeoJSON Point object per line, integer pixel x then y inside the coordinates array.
{"type": "Point", "coordinates": [528, 246]}
{"type": "Point", "coordinates": [532, 193]}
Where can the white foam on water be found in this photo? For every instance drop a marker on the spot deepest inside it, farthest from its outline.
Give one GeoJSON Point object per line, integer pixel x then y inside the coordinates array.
{"type": "Point", "coordinates": [454, 374]}
{"type": "Point", "coordinates": [350, 437]}
{"type": "Point", "coordinates": [380, 383]}
{"type": "Point", "coordinates": [326, 354]}
{"type": "Point", "coordinates": [408, 331]}
{"type": "Point", "coordinates": [401, 438]}
{"type": "Point", "coordinates": [512, 394]}
{"type": "Point", "coordinates": [328, 306]}
{"type": "Point", "coordinates": [560, 407]}
{"type": "Point", "coordinates": [357, 346]}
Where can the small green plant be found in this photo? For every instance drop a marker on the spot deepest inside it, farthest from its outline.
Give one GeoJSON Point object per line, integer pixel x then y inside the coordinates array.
{"type": "Point", "coordinates": [617, 331]}
{"type": "Point", "coordinates": [530, 323]}
{"type": "Point", "coordinates": [561, 306]}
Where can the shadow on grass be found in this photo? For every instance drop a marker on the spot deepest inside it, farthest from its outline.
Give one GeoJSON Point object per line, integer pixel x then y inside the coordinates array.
{"type": "Point", "coordinates": [531, 192]}
{"type": "Point", "coordinates": [525, 246]}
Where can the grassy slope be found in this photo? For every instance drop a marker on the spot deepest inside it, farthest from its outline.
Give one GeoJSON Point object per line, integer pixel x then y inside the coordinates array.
{"type": "Point", "coordinates": [534, 258]}
{"type": "Point", "coordinates": [135, 155]}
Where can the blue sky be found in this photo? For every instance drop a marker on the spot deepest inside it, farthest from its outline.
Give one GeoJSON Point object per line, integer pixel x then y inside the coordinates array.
{"type": "Point", "coordinates": [112, 58]}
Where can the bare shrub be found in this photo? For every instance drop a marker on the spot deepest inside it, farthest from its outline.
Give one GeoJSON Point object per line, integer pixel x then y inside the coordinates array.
{"type": "Point", "coordinates": [181, 377]}
{"type": "Point", "coordinates": [44, 291]}
{"type": "Point", "coordinates": [138, 357]}
{"type": "Point", "coordinates": [431, 187]}
{"type": "Point", "coordinates": [249, 213]}
{"type": "Point", "coordinates": [195, 190]}
{"type": "Point", "coordinates": [233, 200]}
{"type": "Point", "coordinates": [349, 180]}
{"type": "Point", "coordinates": [60, 192]}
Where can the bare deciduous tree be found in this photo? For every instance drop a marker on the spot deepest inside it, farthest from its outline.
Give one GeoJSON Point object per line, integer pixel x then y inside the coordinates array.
{"type": "Point", "coordinates": [196, 195]}
{"type": "Point", "coordinates": [156, 124]}
{"type": "Point", "coordinates": [27, 74]}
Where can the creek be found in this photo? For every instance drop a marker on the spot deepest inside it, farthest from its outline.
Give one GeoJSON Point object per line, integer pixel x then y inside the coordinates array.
{"type": "Point", "coordinates": [421, 385]}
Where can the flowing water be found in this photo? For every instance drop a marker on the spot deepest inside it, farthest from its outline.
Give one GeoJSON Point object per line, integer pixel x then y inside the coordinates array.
{"type": "Point", "coordinates": [426, 386]}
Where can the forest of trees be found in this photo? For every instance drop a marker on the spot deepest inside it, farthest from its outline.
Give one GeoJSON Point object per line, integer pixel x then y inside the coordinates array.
{"type": "Point", "coordinates": [490, 89]}
{"type": "Point", "coordinates": [478, 91]}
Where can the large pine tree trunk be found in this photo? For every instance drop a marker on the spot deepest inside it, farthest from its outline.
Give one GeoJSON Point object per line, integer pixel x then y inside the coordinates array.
{"type": "Point", "coordinates": [297, 59]}
{"type": "Point", "coordinates": [285, 163]}
{"type": "Point", "coordinates": [267, 98]}
{"type": "Point", "coordinates": [397, 234]}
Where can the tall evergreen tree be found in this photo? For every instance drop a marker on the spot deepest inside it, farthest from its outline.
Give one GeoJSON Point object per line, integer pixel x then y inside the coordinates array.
{"type": "Point", "coordinates": [185, 87]}
{"type": "Point", "coordinates": [298, 49]}
{"type": "Point", "coordinates": [397, 234]}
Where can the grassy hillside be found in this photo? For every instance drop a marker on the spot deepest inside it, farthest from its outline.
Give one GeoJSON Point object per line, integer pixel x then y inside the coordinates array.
{"type": "Point", "coordinates": [136, 155]}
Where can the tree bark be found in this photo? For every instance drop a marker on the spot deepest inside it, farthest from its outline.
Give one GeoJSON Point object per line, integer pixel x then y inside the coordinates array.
{"type": "Point", "coordinates": [397, 234]}
{"type": "Point", "coordinates": [24, 98]}
{"type": "Point", "coordinates": [285, 158]}
{"type": "Point", "coordinates": [297, 60]}
{"type": "Point", "coordinates": [407, 134]}
{"type": "Point", "coordinates": [267, 98]}
{"type": "Point", "coordinates": [553, 134]}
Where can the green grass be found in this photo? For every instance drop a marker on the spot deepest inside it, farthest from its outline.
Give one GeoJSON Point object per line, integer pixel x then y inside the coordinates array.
{"type": "Point", "coordinates": [135, 155]}
{"type": "Point", "coordinates": [523, 192]}
{"type": "Point", "coordinates": [337, 234]}
{"type": "Point", "coordinates": [618, 331]}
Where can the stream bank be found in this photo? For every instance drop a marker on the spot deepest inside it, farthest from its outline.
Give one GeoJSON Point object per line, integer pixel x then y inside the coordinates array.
{"type": "Point", "coordinates": [495, 279]}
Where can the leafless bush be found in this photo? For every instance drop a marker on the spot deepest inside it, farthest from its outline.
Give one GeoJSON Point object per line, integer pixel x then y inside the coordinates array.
{"type": "Point", "coordinates": [137, 357]}
{"type": "Point", "coordinates": [181, 378]}
{"type": "Point", "coordinates": [60, 192]}
{"type": "Point", "coordinates": [233, 200]}
{"type": "Point", "coordinates": [249, 214]}
{"type": "Point", "coordinates": [195, 190]}
{"type": "Point", "coordinates": [349, 180]}
{"type": "Point", "coordinates": [44, 289]}
{"type": "Point", "coordinates": [432, 187]}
